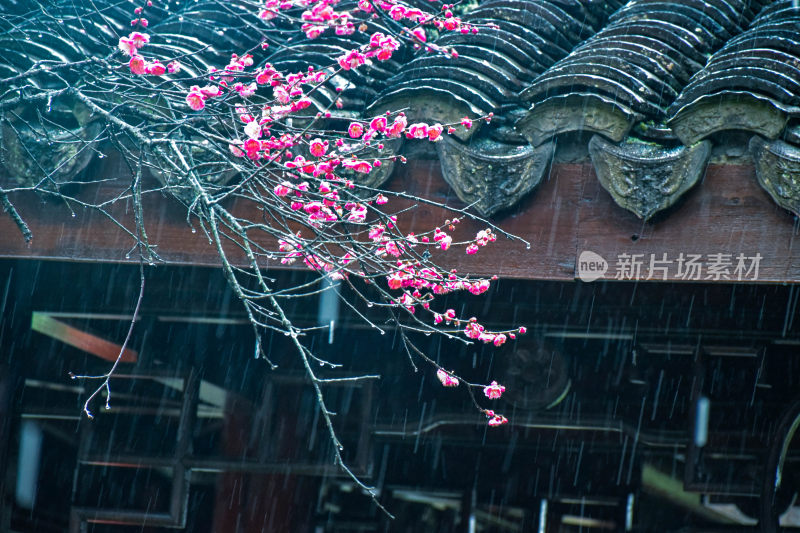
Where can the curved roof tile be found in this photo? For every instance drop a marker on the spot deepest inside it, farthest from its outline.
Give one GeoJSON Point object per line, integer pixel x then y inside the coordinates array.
{"type": "Point", "coordinates": [654, 77]}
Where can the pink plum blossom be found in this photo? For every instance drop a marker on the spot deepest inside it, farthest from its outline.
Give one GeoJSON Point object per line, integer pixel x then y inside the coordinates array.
{"type": "Point", "coordinates": [283, 188]}
{"type": "Point", "coordinates": [127, 46]}
{"type": "Point", "coordinates": [473, 330]}
{"type": "Point", "coordinates": [357, 213]}
{"type": "Point", "coordinates": [252, 130]}
{"type": "Point", "coordinates": [493, 391]}
{"type": "Point", "coordinates": [446, 379]}
{"type": "Point", "coordinates": [137, 64]}
{"type": "Point", "coordinates": [318, 147]}
{"type": "Point", "coordinates": [479, 287]}
{"type": "Point", "coordinates": [417, 131]}
{"type": "Point", "coordinates": [155, 68]}
{"type": "Point", "coordinates": [355, 130]}
{"type": "Point", "coordinates": [351, 59]}
{"type": "Point", "coordinates": [378, 124]}
{"type": "Point", "coordinates": [195, 100]}
{"type": "Point", "coordinates": [495, 419]}
{"type": "Point", "coordinates": [398, 126]}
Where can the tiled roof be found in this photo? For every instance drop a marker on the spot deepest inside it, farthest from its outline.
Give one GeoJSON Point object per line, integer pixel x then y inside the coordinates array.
{"type": "Point", "coordinates": [653, 81]}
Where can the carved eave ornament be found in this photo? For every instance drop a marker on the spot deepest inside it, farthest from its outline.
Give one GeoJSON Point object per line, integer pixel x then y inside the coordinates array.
{"type": "Point", "coordinates": [778, 171]}
{"type": "Point", "coordinates": [646, 178]}
{"type": "Point", "coordinates": [490, 175]}
{"type": "Point", "coordinates": [576, 112]}
{"type": "Point", "coordinates": [60, 146]}
{"type": "Point", "coordinates": [729, 110]}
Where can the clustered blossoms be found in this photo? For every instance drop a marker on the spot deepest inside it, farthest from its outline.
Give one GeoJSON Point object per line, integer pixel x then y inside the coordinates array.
{"type": "Point", "coordinates": [306, 178]}
{"type": "Point", "coordinates": [322, 16]}
{"type": "Point", "coordinates": [493, 392]}
{"type": "Point", "coordinates": [288, 92]}
{"type": "Point", "coordinates": [131, 45]}
{"type": "Point", "coordinates": [381, 47]}
{"type": "Point", "coordinates": [483, 238]}
{"type": "Point", "coordinates": [495, 419]}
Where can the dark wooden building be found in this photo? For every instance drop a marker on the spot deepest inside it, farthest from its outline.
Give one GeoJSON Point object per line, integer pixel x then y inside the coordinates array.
{"type": "Point", "coordinates": [649, 155]}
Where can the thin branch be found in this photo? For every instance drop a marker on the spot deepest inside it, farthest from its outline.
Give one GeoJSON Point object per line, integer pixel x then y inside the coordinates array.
{"type": "Point", "coordinates": [107, 376]}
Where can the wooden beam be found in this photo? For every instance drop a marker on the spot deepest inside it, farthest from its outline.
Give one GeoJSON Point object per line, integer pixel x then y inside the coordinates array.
{"type": "Point", "coordinates": [569, 214]}
{"type": "Point", "coordinates": [82, 340]}
{"type": "Point", "coordinates": [727, 214]}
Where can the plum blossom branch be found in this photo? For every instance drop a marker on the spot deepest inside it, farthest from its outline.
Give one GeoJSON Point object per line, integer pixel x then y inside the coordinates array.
{"type": "Point", "coordinates": [106, 378]}
{"type": "Point", "coordinates": [266, 131]}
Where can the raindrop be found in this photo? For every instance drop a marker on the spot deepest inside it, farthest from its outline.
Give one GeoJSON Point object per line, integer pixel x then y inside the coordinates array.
{"type": "Point", "coordinates": [73, 215]}
{"type": "Point", "coordinates": [194, 230]}
{"type": "Point", "coordinates": [101, 156]}
{"type": "Point", "coordinates": [370, 304]}
{"type": "Point", "coordinates": [528, 246]}
{"type": "Point", "coordinates": [49, 103]}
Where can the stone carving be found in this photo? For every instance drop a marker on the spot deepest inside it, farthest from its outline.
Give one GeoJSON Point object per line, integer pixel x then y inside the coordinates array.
{"type": "Point", "coordinates": [778, 171]}
{"type": "Point", "coordinates": [731, 110]}
{"type": "Point", "coordinates": [43, 147]}
{"type": "Point", "coordinates": [209, 167]}
{"type": "Point", "coordinates": [646, 178]}
{"type": "Point", "coordinates": [576, 112]}
{"type": "Point", "coordinates": [491, 175]}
